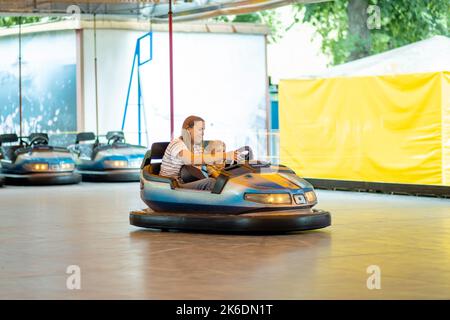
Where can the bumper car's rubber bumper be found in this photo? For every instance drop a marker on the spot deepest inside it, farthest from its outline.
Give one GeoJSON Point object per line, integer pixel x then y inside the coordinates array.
{"type": "Point", "coordinates": [35, 179]}
{"type": "Point", "coordinates": [111, 175]}
{"type": "Point", "coordinates": [262, 222]}
{"type": "Point", "coordinates": [1, 182]}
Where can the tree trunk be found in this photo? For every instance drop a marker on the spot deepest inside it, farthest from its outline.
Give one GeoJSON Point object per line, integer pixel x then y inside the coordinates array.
{"type": "Point", "coordinates": [358, 32]}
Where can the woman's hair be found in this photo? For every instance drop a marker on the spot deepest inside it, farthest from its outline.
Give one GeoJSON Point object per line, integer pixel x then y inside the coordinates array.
{"type": "Point", "coordinates": [189, 122]}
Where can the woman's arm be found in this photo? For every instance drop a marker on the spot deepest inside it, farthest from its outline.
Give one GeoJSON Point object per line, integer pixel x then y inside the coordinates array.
{"type": "Point", "coordinates": [205, 158]}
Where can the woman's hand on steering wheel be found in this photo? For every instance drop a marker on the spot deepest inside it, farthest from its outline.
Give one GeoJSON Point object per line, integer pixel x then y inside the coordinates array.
{"type": "Point", "coordinates": [231, 156]}
{"type": "Point", "coordinates": [240, 155]}
{"type": "Point", "coordinates": [244, 154]}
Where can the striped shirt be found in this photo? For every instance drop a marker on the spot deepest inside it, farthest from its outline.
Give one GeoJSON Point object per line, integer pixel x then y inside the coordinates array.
{"type": "Point", "coordinates": [172, 162]}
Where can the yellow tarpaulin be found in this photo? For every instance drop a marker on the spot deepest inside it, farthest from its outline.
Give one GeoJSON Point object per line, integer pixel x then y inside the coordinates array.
{"type": "Point", "coordinates": [446, 127]}
{"type": "Point", "coordinates": [377, 128]}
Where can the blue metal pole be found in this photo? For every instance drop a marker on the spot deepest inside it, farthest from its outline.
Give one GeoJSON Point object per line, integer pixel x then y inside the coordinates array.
{"type": "Point", "coordinates": [129, 89]}
{"type": "Point", "coordinates": [139, 107]}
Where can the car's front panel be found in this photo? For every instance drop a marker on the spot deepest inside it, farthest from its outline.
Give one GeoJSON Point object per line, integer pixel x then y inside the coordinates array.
{"type": "Point", "coordinates": [113, 159]}
{"type": "Point", "coordinates": [41, 162]}
{"type": "Point", "coordinates": [247, 192]}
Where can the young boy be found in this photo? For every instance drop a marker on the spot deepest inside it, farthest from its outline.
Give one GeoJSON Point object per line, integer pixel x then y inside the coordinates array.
{"type": "Point", "coordinates": [215, 146]}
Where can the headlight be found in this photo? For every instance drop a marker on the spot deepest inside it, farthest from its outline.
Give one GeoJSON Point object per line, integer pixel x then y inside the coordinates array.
{"type": "Point", "coordinates": [310, 196]}
{"type": "Point", "coordinates": [67, 166]}
{"type": "Point", "coordinates": [114, 164]}
{"type": "Point", "coordinates": [299, 199]}
{"type": "Point", "coordinates": [37, 167]}
{"type": "Point", "coordinates": [45, 167]}
{"type": "Point", "coordinates": [135, 163]}
{"type": "Point", "coordinates": [269, 198]}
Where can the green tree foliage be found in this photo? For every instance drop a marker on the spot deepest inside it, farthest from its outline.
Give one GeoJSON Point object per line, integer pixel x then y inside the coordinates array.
{"type": "Point", "coordinates": [13, 21]}
{"type": "Point", "coordinates": [400, 22]}
{"type": "Point", "coordinates": [268, 17]}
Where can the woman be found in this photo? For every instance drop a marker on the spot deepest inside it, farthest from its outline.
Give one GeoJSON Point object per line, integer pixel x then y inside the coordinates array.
{"type": "Point", "coordinates": [188, 150]}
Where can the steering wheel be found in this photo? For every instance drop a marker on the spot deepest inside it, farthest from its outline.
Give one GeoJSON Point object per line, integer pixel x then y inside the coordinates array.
{"type": "Point", "coordinates": [23, 143]}
{"type": "Point", "coordinates": [247, 157]}
{"type": "Point", "coordinates": [116, 138]}
{"type": "Point", "coordinates": [38, 140]}
{"type": "Point", "coordinates": [249, 153]}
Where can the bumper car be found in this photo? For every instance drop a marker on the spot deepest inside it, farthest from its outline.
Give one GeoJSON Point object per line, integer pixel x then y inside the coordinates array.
{"type": "Point", "coordinates": [248, 197]}
{"type": "Point", "coordinates": [34, 162]}
{"type": "Point", "coordinates": [114, 161]}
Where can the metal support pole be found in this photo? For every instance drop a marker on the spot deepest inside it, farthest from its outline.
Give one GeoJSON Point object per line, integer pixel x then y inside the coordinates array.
{"type": "Point", "coordinates": [20, 79]}
{"type": "Point", "coordinates": [139, 107]}
{"type": "Point", "coordinates": [171, 70]}
{"type": "Point", "coordinates": [95, 70]}
{"type": "Point", "coordinates": [129, 89]}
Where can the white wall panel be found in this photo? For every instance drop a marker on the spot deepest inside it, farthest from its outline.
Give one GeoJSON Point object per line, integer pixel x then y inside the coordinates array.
{"type": "Point", "coordinates": [220, 77]}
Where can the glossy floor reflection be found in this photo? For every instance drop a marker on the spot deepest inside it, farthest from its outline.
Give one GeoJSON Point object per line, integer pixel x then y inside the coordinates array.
{"type": "Point", "coordinates": [44, 230]}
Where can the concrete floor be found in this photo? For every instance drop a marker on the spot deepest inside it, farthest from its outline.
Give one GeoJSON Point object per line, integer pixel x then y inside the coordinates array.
{"type": "Point", "coordinates": [43, 230]}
